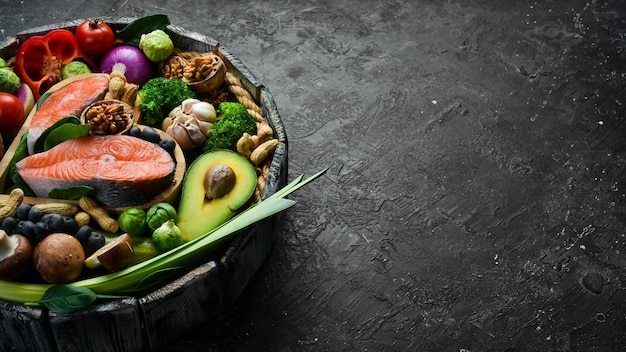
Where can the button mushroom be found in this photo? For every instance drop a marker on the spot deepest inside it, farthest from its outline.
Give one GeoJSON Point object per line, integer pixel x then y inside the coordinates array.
{"type": "Point", "coordinates": [58, 258]}
{"type": "Point", "coordinates": [115, 255]}
{"type": "Point", "coordinates": [15, 255]}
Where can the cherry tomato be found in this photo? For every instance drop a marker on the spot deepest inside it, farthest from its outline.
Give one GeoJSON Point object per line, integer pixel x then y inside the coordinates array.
{"type": "Point", "coordinates": [95, 37]}
{"type": "Point", "coordinates": [11, 113]}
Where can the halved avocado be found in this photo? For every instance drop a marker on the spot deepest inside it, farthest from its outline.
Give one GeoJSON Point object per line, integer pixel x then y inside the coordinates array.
{"type": "Point", "coordinates": [196, 214]}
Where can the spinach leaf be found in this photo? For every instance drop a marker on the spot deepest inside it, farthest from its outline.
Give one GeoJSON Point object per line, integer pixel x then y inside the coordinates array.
{"type": "Point", "coordinates": [131, 34]}
{"type": "Point", "coordinates": [39, 143]}
{"type": "Point", "coordinates": [64, 132]}
{"type": "Point", "coordinates": [67, 298]}
{"type": "Point", "coordinates": [71, 192]}
{"type": "Point", "coordinates": [20, 153]}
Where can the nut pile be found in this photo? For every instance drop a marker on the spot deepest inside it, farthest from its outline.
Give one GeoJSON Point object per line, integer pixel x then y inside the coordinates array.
{"type": "Point", "coordinates": [109, 117]}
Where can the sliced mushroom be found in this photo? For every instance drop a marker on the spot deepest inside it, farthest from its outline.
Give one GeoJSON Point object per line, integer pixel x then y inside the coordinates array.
{"type": "Point", "coordinates": [15, 255]}
{"type": "Point", "coordinates": [58, 258]}
{"type": "Point", "coordinates": [114, 256]}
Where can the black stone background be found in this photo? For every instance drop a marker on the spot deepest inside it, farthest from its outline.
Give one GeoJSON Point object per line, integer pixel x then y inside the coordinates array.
{"type": "Point", "coordinates": [476, 194]}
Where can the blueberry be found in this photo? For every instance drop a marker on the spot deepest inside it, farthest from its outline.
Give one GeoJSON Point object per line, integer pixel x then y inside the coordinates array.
{"type": "Point", "coordinates": [83, 233]}
{"type": "Point", "coordinates": [54, 222]}
{"type": "Point", "coordinates": [69, 225]}
{"type": "Point", "coordinates": [27, 229]}
{"type": "Point", "coordinates": [22, 211]}
{"type": "Point", "coordinates": [41, 231]}
{"type": "Point", "coordinates": [150, 134]}
{"type": "Point", "coordinates": [168, 144]}
{"type": "Point", "coordinates": [135, 131]}
{"type": "Point", "coordinates": [8, 224]}
{"type": "Point", "coordinates": [34, 214]}
{"type": "Point", "coordinates": [95, 240]}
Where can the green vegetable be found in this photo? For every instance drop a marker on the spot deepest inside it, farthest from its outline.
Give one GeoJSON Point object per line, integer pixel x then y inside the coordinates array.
{"type": "Point", "coordinates": [2, 63]}
{"type": "Point", "coordinates": [167, 236]}
{"type": "Point", "coordinates": [131, 34]}
{"type": "Point", "coordinates": [147, 274]}
{"type": "Point", "coordinates": [156, 45]}
{"type": "Point", "coordinates": [133, 221]}
{"type": "Point", "coordinates": [159, 96]}
{"type": "Point", "coordinates": [9, 81]}
{"type": "Point", "coordinates": [235, 121]}
{"type": "Point", "coordinates": [74, 68]}
{"type": "Point", "coordinates": [160, 213]}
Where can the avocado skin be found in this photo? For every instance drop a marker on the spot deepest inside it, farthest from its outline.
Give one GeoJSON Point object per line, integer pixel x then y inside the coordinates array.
{"type": "Point", "coordinates": [196, 214]}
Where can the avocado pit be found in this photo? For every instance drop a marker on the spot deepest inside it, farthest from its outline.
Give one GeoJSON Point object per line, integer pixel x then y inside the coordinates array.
{"type": "Point", "coordinates": [219, 180]}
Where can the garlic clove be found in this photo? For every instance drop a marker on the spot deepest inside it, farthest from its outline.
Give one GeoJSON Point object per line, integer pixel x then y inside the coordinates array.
{"type": "Point", "coordinates": [187, 104]}
{"type": "Point", "coordinates": [204, 111]}
{"type": "Point", "coordinates": [179, 133]}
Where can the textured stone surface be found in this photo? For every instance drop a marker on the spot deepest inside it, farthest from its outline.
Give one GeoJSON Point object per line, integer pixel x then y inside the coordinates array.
{"type": "Point", "coordinates": [475, 198]}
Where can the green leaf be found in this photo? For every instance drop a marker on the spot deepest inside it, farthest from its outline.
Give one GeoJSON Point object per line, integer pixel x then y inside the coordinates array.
{"type": "Point", "coordinates": [64, 132]}
{"type": "Point", "coordinates": [71, 192]}
{"type": "Point", "coordinates": [20, 153]}
{"type": "Point", "coordinates": [67, 298]}
{"type": "Point", "coordinates": [43, 97]}
{"type": "Point", "coordinates": [131, 34]}
{"type": "Point", "coordinates": [39, 143]}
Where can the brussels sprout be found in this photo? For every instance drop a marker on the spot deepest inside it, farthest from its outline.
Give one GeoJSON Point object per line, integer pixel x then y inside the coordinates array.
{"type": "Point", "coordinates": [9, 81]}
{"type": "Point", "coordinates": [74, 68]}
{"type": "Point", "coordinates": [167, 236]}
{"type": "Point", "coordinates": [133, 221]}
{"type": "Point", "coordinates": [160, 213]}
{"type": "Point", "coordinates": [2, 63]}
{"type": "Point", "coordinates": [156, 45]}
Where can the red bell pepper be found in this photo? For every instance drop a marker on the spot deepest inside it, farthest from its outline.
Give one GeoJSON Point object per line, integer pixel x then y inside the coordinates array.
{"type": "Point", "coordinates": [40, 59]}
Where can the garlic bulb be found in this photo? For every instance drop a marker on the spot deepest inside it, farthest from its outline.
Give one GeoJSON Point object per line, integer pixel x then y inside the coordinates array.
{"type": "Point", "coordinates": [190, 123]}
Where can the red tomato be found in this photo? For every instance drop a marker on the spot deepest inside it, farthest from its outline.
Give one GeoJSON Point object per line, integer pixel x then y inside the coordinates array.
{"type": "Point", "coordinates": [11, 113]}
{"type": "Point", "coordinates": [95, 37]}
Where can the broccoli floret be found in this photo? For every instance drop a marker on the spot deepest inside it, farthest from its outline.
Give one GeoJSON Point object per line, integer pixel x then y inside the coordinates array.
{"type": "Point", "coordinates": [235, 121]}
{"type": "Point", "coordinates": [159, 96]}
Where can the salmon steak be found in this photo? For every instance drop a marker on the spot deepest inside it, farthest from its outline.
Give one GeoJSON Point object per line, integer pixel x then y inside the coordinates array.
{"type": "Point", "coordinates": [70, 99]}
{"type": "Point", "coordinates": [123, 170]}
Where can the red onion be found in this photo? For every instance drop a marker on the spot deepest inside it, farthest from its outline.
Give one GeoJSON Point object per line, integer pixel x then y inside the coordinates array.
{"type": "Point", "coordinates": [138, 68]}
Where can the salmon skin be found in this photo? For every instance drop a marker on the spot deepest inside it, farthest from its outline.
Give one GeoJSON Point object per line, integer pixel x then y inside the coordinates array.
{"type": "Point", "coordinates": [123, 170]}
{"type": "Point", "coordinates": [70, 99]}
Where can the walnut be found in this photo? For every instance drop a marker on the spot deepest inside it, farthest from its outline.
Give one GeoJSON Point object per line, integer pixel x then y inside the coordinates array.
{"type": "Point", "coordinates": [108, 117]}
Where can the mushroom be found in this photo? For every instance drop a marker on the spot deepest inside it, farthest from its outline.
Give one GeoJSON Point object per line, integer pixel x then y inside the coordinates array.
{"type": "Point", "coordinates": [58, 258]}
{"type": "Point", "coordinates": [114, 256]}
{"type": "Point", "coordinates": [15, 255]}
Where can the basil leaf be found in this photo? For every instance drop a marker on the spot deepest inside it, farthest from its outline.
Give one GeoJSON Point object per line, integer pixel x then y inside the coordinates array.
{"type": "Point", "coordinates": [131, 34]}
{"type": "Point", "coordinates": [39, 143]}
{"type": "Point", "coordinates": [71, 192]}
{"type": "Point", "coordinates": [67, 298]}
{"type": "Point", "coordinates": [64, 132]}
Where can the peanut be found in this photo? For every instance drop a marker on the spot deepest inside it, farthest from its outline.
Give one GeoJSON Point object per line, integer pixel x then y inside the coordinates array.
{"type": "Point", "coordinates": [65, 209]}
{"type": "Point", "coordinates": [247, 144]}
{"type": "Point", "coordinates": [82, 218]}
{"type": "Point", "coordinates": [260, 153]}
{"type": "Point", "coordinates": [16, 197]}
{"type": "Point", "coordinates": [99, 214]}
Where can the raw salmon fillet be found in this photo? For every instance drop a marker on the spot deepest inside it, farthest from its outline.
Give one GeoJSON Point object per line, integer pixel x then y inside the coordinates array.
{"type": "Point", "coordinates": [71, 99]}
{"type": "Point", "coordinates": [123, 170]}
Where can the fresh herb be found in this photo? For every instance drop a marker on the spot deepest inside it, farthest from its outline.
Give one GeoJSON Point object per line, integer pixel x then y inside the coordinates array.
{"type": "Point", "coordinates": [68, 298]}
{"type": "Point", "coordinates": [71, 192]}
{"type": "Point", "coordinates": [40, 142]}
{"type": "Point", "coordinates": [64, 132]}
